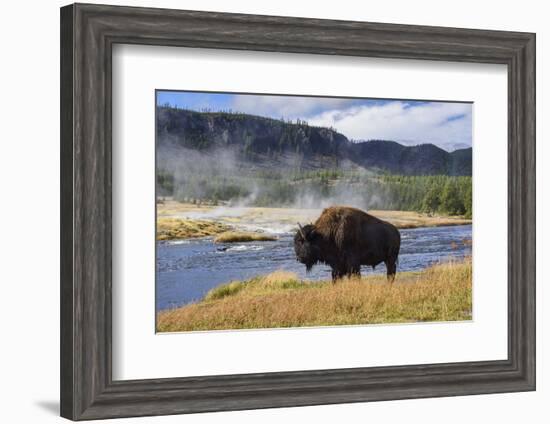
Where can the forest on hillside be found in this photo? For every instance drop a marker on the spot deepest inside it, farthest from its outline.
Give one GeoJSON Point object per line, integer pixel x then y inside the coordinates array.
{"type": "Point", "coordinates": [430, 194]}
{"type": "Point", "coordinates": [267, 142]}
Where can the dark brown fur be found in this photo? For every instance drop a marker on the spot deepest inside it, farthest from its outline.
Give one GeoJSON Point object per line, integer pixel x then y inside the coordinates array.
{"type": "Point", "coordinates": [346, 238]}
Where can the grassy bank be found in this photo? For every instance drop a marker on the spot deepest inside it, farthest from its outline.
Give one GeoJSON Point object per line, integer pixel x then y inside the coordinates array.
{"type": "Point", "coordinates": [439, 293]}
{"type": "Point", "coordinates": [407, 219]}
{"type": "Point", "coordinates": [182, 228]}
{"type": "Point", "coordinates": [185, 228]}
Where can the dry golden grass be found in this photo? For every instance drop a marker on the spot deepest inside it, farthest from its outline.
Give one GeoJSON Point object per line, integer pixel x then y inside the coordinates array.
{"type": "Point", "coordinates": [176, 228]}
{"type": "Point", "coordinates": [439, 293]}
{"type": "Point", "coordinates": [241, 236]}
{"type": "Point", "coordinates": [276, 278]}
{"type": "Point", "coordinates": [409, 219]}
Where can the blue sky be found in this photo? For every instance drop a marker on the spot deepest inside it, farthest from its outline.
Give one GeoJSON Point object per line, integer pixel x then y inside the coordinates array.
{"type": "Point", "coordinates": [445, 124]}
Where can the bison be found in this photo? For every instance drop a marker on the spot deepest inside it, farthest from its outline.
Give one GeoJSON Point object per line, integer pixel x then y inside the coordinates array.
{"type": "Point", "coordinates": [346, 238]}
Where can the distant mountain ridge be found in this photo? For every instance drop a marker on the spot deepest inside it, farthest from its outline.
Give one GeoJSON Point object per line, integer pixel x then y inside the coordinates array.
{"type": "Point", "coordinates": [267, 142]}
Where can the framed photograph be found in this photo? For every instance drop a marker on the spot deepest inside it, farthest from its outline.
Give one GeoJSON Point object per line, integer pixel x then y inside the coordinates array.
{"type": "Point", "coordinates": [254, 211]}
{"type": "Point", "coordinates": [263, 212]}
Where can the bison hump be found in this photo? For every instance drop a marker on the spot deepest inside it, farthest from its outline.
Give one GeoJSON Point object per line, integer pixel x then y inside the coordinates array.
{"type": "Point", "coordinates": [348, 232]}
{"type": "Point", "coordinates": [341, 224]}
{"type": "Point", "coordinates": [336, 213]}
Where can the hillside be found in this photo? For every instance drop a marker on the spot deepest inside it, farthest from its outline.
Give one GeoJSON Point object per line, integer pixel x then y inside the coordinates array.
{"type": "Point", "coordinates": [264, 143]}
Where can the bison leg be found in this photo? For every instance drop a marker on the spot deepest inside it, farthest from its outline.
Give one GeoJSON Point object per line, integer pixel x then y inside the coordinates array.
{"type": "Point", "coordinates": [354, 271]}
{"type": "Point", "coordinates": [391, 269]}
{"type": "Point", "coordinates": [337, 273]}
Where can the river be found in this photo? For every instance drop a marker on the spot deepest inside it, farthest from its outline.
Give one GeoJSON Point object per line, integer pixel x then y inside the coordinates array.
{"type": "Point", "coordinates": [188, 269]}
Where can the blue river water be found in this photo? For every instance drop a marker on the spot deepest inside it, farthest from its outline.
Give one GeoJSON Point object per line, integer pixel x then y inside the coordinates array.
{"type": "Point", "coordinates": [188, 269]}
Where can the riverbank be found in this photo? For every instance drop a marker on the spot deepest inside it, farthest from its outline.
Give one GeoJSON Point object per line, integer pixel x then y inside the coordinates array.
{"type": "Point", "coordinates": [280, 299]}
{"type": "Point", "coordinates": [184, 228]}
{"type": "Point", "coordinates": [186, 220]}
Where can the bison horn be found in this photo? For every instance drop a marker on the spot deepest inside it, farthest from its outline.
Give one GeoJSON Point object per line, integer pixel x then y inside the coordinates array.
{"type": "Point", "coordinates": [301, 231]}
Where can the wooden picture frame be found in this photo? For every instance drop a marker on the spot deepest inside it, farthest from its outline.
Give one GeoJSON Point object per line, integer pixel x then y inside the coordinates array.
{"type": "Point", "coordinates": [88, 33]}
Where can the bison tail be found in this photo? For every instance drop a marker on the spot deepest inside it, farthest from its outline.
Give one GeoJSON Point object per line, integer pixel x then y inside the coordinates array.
{"type": "Point", "coordinates": [394, 254]}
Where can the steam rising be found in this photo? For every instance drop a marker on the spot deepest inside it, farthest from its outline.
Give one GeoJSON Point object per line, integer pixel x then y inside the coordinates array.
{"type": "Point", "coordinates": [222, 176]}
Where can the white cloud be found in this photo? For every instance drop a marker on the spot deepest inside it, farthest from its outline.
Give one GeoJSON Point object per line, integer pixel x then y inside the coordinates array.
{"type": "Point", "coordinates": [288, 107]}
{"type": "Point", "coordinates": [448, 125]}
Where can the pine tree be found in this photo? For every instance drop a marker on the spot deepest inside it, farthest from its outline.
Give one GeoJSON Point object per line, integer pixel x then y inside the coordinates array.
{"type": "Point", "coordinates": [451, 201]}
{"type": "Point", "coordinates": [431, 201]}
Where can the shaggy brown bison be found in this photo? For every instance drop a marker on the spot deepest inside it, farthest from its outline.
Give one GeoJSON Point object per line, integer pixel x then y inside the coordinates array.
{"type": "Point", "coordinates": [346, 238]}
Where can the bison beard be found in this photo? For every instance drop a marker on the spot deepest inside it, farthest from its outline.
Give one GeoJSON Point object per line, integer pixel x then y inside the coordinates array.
{"type": "Point", "coordinates": [306, 252]}
{"type": "Point", "coordinates": [346, 238]}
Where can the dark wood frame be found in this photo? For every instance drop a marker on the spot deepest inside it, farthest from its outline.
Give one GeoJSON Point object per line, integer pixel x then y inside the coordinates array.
{"type": "Point", "coordinates": [88, 33]}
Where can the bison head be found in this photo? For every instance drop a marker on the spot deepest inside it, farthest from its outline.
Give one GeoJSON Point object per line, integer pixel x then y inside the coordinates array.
{"type": "Point", "coordinates": [306, 246]}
